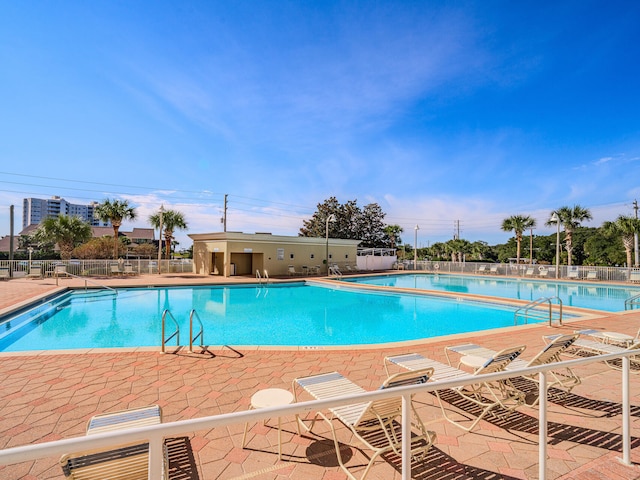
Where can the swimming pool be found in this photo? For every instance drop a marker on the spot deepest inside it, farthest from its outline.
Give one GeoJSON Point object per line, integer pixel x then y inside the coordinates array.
{"type": "Point", "coordinates": [583, 295]}
{"type": "Point", "coordinates": [287, 315]}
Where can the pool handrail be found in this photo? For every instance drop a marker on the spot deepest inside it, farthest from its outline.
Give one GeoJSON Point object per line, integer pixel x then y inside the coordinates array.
{"type": "Point", "coordinates": [524, 311]}
{"type": "Point", "coordinates": [174, 334]}
{"type": "Point", "coordinates": [200, 334]}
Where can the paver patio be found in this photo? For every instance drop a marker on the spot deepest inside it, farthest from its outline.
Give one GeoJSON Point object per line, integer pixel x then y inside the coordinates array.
{"type": "Point", "coordinates": [51, 396]}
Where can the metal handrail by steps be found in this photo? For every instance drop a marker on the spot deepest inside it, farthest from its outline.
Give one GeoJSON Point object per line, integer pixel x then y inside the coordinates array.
{"type": "Point", "coordinates": [527, 310]}
{"type": "Point", "coordinates": [174, 334]}
{"type": "Point", "coordinates": [115, 292]}
{"type": "Point", "coordinates": [629, 303]}
{"type": "Point", "coordinates": [200, 333]}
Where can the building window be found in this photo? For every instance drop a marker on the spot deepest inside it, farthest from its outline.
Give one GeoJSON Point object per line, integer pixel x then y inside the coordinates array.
{"type": "Point", "coordinates": [280, 253]}
{"type": "Point", "coordinates": [291, 256]}
{"type": "Point", "coordinates": [312, 256]}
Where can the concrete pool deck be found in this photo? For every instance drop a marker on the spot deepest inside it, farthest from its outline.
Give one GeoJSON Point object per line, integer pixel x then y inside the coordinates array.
{"type": "Point", "coordinates": [51, 396]}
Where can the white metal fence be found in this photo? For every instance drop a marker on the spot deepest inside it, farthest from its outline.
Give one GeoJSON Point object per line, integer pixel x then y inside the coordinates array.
{"type": "Point", "coordinates": [581, 272]}
{"type": "Point", "coordinates": [97, 268]}
{"type": "Point", "coordinates": [155, 434]}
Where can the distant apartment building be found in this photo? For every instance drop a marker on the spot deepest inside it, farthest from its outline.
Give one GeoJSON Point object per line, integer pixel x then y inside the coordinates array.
{"type": "Point", "coordinates": [34, 210]}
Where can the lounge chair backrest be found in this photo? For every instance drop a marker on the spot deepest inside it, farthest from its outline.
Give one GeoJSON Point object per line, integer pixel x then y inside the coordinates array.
{"type": "Point", "coordinates": [404, 379]}
{"type": "Point", "coordinates": [389, 407]}
{"type": "Point", "coordinates": [551, 352]}
{"type": "Point", "coordinates": [500, 360]}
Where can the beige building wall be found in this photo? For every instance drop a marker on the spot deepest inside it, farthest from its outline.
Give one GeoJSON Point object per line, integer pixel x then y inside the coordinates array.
{"type": "Point", "coordinates": [232, 253]}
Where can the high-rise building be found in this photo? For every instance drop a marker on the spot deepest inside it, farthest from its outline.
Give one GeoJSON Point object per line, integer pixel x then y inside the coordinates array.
{"type": "Point", "coordinates": [34, 210]}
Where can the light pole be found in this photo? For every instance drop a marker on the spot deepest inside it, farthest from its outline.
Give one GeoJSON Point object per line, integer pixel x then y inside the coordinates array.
{"type": "Point", "coordinates": [330, 218]}
{"type": "Point", "coordinates": [415, 248]}
{"type": "Point", "coordinates": [160, 241]}
{"type": "Point", "coordinates": [556, 219]}
{"type": "Point", "coordinates": [30, 250]}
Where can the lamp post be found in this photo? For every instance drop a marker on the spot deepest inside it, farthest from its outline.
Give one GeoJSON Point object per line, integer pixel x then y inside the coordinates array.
{"type": "Point", "coordinates": [160, 241]}
{"type": "Point", "coordinates": [556, 220]}
{"type": "Point", "coordinates": [30, 250]}
{"type": "Point", "coordinates": [415, 248]}
{"type": "Point", "coordinates": [330, 218]}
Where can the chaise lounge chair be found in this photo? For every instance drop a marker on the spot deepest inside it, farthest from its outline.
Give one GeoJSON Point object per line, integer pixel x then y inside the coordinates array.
{"type": "Point", "coordinates": [35, 272]}
{"type": "Point", "coordinates": [4, 274]}
{"type": "Point", "coordinates": [573, 273]}
{"type": "Point", "coordinates": [488, 396]}
{"type": "Point", "coordinates": [592, 275]}
{"type": "Point", "coordinates": [565, 379]}
{"type": "Point", "coordinates": [373, 423]}
{"type": "Point", "coordinates": [130, 461]}
{"type": "Point", "coordinates": [583, 347]}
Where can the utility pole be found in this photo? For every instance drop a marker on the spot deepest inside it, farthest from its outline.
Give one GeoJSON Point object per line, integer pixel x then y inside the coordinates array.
{"type": "Point", "coordinates": [224, 218]}
{"type": "Point", "coordinates": [11, 249]}
{"type": "Point", "coordinates": [635, 237]}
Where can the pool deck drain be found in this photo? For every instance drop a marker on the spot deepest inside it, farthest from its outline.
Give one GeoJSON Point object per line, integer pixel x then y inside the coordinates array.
{"type": "Point", "coordinates": [48, 397]}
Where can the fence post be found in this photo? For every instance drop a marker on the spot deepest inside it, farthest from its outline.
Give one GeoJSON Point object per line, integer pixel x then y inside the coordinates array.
{"type": "Point", "coordinates": [156, 462]}
{"type": "Point", "coordinates": [542, 426]}
{"type": "Point", "coordinates": [406, 437]}
{"type": "Point", "coordinates": [626, 412]}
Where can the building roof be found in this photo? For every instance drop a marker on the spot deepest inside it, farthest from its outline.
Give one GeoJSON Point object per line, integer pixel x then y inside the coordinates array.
{"type": "Point", "coordinates": [267, 238]}
{"type": "Point", "coordinates": [142, 234]}
{"type": "Point", "coordinates": [4, 243]}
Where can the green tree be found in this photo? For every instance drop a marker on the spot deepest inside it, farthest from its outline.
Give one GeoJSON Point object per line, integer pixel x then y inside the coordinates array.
{"type": "Point", "coordinates": [101, 247]}
{"type": "Point", "coordinates": [626, 228]}
{"type": "Point", "coordinates": [350, 222]}
{"type": "Point", "coordinates": [116, 212]}
{"type": "Point", "coordinates": [67, 232]}
{"type": "Point", "coordinates": [518, 223]}
{"type": "Point", "coordinates": [570, 218]}
{"type": "Point", "coordinates": [603, 248]}
{"type": "Point", "coordinates": [171, 220]}
{"type": "Point", "coordinates": [393, 234]}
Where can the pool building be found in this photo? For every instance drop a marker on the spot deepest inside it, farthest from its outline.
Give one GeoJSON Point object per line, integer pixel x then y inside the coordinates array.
{"type": "Point", "coordinates": [234, 253]}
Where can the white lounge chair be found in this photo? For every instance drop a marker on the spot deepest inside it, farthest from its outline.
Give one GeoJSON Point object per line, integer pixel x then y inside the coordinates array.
{"type": "Point", "coordinates": [60, 270]}
{"type": "Point", "coordinates": [373, 423]}
{"type": "Point", "coordinates": [115, 269]}
{"type": "Point", "coordinates": [592, 275]}
{"type": "Point", "coordinates": [583, 347]}
{"type": "Point", "coordinates": [292, 271]}
{"type": "Point", "coordinates": [573, 273]}
{"type": "Point", "coordinates": [488, 396]}
{"type": "Point", "coordinates": [128, 269]}
{"type": "Point", "coordinates": [4, 274]}
{"type": "Point", "coordinates": [493, 269]}
{"type": "Point", "coordinates": [35, 272]}
{"type": "Point", "coordinates": [543, 272]}
{"type": "Point", "coordinates": [529, 272]}
{"type": "Point", "coordinates": [564, 378]}
{"type": "Point", "coordinates": [130, 461]}
{"type": "Point", "coordinates": [482, 269]}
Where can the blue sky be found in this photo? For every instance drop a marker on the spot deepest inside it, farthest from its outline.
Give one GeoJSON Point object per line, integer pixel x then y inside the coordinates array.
{"type": "Point", "coordinates": [438, 111]}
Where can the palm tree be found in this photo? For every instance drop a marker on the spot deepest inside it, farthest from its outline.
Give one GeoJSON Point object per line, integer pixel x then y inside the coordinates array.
{"type": "Point", "coordinates": [570, 218]}
{"type": "Point", "coordinates": [518, 223]}
{"type": "Point", "coordinates": [627, 227]}
{"type": "Point", "coordinates": [171, 220]}
{"type": "Point", "coordinates": [67, 232]}
{"type": "Point", "coordinates": [115, 212]}
{"type": "Point", "coordinates": [393, 232]}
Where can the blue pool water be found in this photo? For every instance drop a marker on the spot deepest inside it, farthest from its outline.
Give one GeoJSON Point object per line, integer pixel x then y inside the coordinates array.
{"type": "Point", "coordinates": [301, 315]}
{"type": "Point", "coordinates": [583, 295]}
